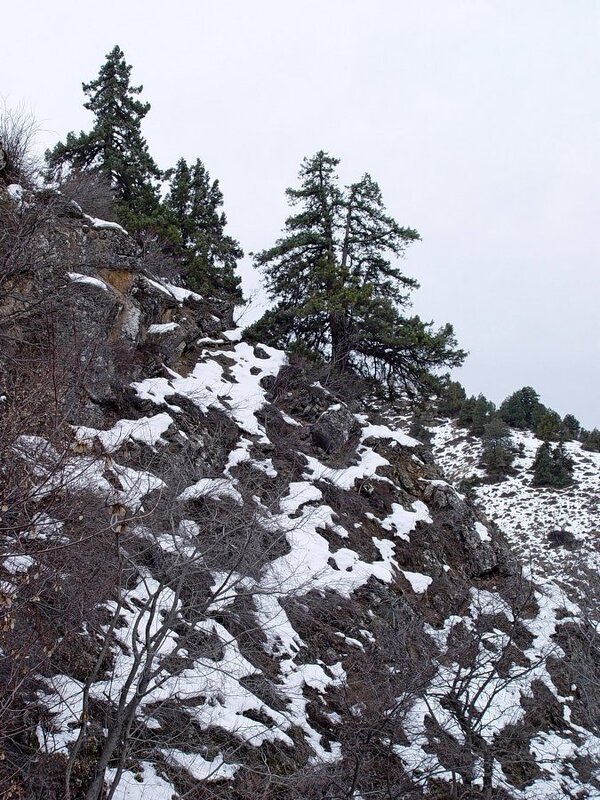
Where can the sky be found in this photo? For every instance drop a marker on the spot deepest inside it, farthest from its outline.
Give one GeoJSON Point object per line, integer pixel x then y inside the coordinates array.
{"type": "Point", "coordinates": [479, 120]}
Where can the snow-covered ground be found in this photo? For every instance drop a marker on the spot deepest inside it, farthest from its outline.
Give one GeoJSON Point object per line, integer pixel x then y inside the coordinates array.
{"type": "Point", "coordinates": [526, 514]}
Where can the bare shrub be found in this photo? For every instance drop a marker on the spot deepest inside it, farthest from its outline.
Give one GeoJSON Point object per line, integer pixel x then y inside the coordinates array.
{"type": "Point", "coordinates": [90, 190]}
{"type": "Point", "coordinates": [157, 255]}
{"type": "Point", "coordinates": [18, 131]}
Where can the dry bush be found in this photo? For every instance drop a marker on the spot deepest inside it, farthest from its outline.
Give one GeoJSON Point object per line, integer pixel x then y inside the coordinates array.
{"type": "Point", "coordinates": [158, 257]}
{"type": "Point", "coordinates": [18, 131]}
{"type": "Point", "coordinates": [91, 191]}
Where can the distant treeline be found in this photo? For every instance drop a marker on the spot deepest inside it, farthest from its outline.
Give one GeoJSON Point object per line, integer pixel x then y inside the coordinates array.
{"type": "Point", "coordinates": [524, 411]}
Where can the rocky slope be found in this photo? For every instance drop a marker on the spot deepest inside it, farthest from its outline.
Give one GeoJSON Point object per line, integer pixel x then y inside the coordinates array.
{"type": "Point", "coordinates": [224, 574]}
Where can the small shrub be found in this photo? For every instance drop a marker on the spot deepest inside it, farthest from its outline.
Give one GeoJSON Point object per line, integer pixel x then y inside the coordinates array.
{"type": "Point", "coordinates": [18, 130]}
{"type": "Point", "coordinates": [561, 538]}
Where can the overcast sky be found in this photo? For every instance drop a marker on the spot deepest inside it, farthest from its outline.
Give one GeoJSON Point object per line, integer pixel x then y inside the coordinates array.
{"type": "Point", "coordinates": [480, 120]}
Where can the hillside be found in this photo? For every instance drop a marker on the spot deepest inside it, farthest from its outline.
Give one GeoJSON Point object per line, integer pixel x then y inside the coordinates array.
{"type": "Point", "coordinates": [230, 573]}
{"type": "Point", "coordinates": [554, 531]}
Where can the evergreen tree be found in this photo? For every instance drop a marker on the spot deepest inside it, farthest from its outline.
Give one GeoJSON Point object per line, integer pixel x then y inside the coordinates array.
{"type": "Point", "coordinates": [552, 467]}
{"type": "Point", "coordinates": [338, 294]}
{"type": "Point", "coordinates": [590, 440]}
{"type": "Point", "coordinates": [543, 466]}
{"type": "Point", "coordinates": [549, 425]}
{"type": "Point", "coordinates": [521, 409]}
{"type": "Point", "coordinates": [468, 487]}
{"type": "Point", "coordinates": [115, 146]}
{"type": "Point", "coordinates": [498, 453]}
{"type": "Point", "coordinates": [197, 225]}
{"type": "Point", "coordinates": [482, 411]}
{"type": "Point", "coordinates": [571, 427]}
{"type": "Point", "coordinates": [451, 399]}
{"type": "Point", "coordinates": [562, 466]}
{"type": "Point", "coordinates": [467, 410]}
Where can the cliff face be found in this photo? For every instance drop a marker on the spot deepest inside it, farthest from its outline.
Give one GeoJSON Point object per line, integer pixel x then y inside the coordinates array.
{"type": "Point", "coordinates": [226, 574]}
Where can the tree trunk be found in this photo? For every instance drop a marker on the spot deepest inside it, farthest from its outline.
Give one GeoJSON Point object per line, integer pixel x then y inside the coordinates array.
{"type": "Point", "coordinates": [340, 342]}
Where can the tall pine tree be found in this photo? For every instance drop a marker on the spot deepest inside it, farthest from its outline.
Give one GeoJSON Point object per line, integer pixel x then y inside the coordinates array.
{"type": "Point", "coordinates": [115, 146]}
{"type": "Point", "coordinates": [209, 256]}
{"type": "Point", "coordinates": [337, 292]}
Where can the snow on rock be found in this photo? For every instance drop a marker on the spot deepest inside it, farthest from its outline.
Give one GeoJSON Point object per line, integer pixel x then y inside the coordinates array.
{"type": "Point", "coordinates": [147, 430]}
{"type": "Point", "coordinates": [384, 432]}
{"type": "Point", "coordinates": [482, 532]}
{"type": "Point", "coordinates": [402, 522]}
{"type": "Point", "coordinates": [102, 223]}
{"type": "Point", "coordinates": [165, 327]}
{"type": "Point", "coordinates": [77, 277]}
{"type": "Point", "coordinates": [59, 471]}
{"type": "Point", "coordinates": [15, 191]}
{"type": "Point", "coordinates": [176, 292]}
{"type": "Point", "coordinates": [419, 583]}
{"type": "Point", "coordinates": [215, 488]}
{"type": "Point", "coordinates": [370, 460]}
{"type": "Point", "coordinates": [236, 390]}
{"type": "Point", "coordinates": [18, 563]}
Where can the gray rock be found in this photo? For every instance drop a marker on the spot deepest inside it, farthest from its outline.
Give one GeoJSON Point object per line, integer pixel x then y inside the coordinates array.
{"type": "Point", "coordinates": [336, 430]}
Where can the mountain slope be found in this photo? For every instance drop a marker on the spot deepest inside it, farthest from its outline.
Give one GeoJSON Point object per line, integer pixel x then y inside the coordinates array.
{"type": "Point", "coordinates": [227, 573]}
{"type": "Point", "coordinates": [555, 531]}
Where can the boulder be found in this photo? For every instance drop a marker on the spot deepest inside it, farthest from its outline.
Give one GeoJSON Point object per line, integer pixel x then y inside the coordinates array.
{"type": "Point", "coordinates": [336, 430]}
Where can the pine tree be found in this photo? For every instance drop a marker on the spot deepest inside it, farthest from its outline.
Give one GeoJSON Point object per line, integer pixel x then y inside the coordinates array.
{"type": "Point", "coordinates": [590, 440]}
{"type": "Point", "coordinates": [482, 411]}
{"type": "Point", "coordinates": [467, 410]}
{"type": "Point", "coordinates": [451, 399]}
{"type": "Point", "coordinates": [543, 466]}
{"type": "Point", "coordinates": [498, 453]}
{"type": "Point", "coordinates": [562, 466]}
{"type": "Point", "coordinates": [571, 426]}
{"type": "Point", "coordinates": [552, 467]}
{"type": "Point", "coordinates": [549, 426]}
{"type": "Point", "coordinates": [521, 409]}
{"type": "Point", "coordinates": [208, 254]}
{"type": "Point", "coordinates": [115, 146]}
{"type": "Point", "coordinates": [338, 295]}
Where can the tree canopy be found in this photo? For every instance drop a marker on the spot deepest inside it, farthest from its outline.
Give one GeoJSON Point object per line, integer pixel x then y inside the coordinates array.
{"type": "Point", "coordinates": [552, 466]}
{"type": "Point", "coordinates": [115, 146]}
{"type": "Point", "coordinates": [197, 223]}
{"type": "Point", "coordinates": [521, 409]}
{"type": "Point", "coordinates": [337, 292]}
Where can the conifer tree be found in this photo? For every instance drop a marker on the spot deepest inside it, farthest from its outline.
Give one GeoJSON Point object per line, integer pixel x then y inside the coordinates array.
{"type": "Point", "coordinates": [115, 146]}
{"type": "Point", "coordinates": [571, 426]}
{"type": "Point", "coordinates": [562, 466]}
{"type": "Point", "coordinates": [552, 467]}
{"type": "Point", "coordinates": [467, 410]}
{"type": "Point", "coordinates": [482, 412]}
{"type": "Point", "coordinates": [542, 466]}
{"type": "Point", "coordinates": [451, 399]}
{"type": "Point", "coordinates": [498, 453]}
{"type": "Point", "coordinates": [521, 409]}
{"type": "Point", "coordinates": [193, 205]}
{"type": "Point", "coordinates": [590, 440]}
{"type": "Point", "coordinates": [338, 295]}
{"type": "Point", "coordinates": [549, 426]}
